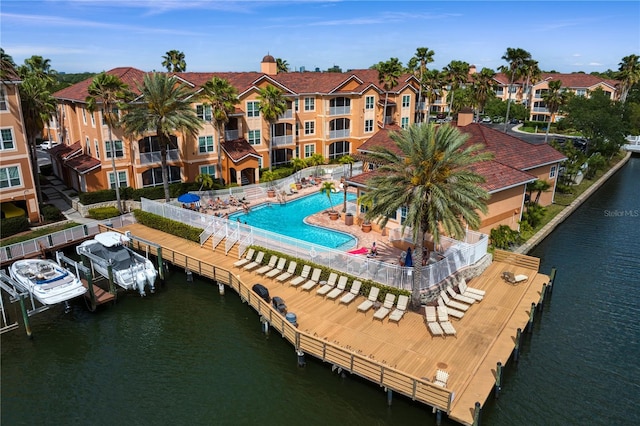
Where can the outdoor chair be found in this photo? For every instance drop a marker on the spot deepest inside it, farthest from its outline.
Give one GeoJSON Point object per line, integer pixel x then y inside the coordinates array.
{"type": "Point", "coordinates": [313, 281]}
{"type": "Point", "coordinates": [451, 311]}
{"type": "Point", "coordinates": [386, 307]}
{"type": "Point", "coordinates": [443, 320]}
{"type": "Point", "coordinates": [304, 275]}
{"type": "Point", "coordinates": [452, 303]}
{"type": "Point", "coordinates": [432, 321]}
{"type": "Point", "coordinates": [342, 284]}
{"type": "Point", "coordinates": [354, 291]}
{"type": "Point", "coordinates": [246, 259]}
{"type": "Point", "coordinates": [373, 297]}
{"type": "Point", "coordinates": [278, 269]}
{"type": "Point", "coordinates": [255, 263]}
{"type": "Point", "coordinates": [459, 297]}
{"type": "Point", "coordinates": [441, 378]}
{"type": "Point", "coordinates": [469, 292]}
{"type": "Point", "coordinates": [290, 271]}
{"type": "Point", "coordinates": [401, 308]}
{"type": "Point", "coordinates": [328, 286]}
{"type": "Point", "coordinates": [266, 268]}
{"type": "Point", "coordinates": [293, 188]}
{"type": "Point", "coordinates": [514, 279]}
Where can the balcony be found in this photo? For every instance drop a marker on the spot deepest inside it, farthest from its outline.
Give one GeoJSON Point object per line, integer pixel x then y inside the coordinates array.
{"type": "Point", "coordinates": [388, 119]}
{"type": "Point", "coordinates": [340, 110]}
{"type": "Point", "coordinates": [335, 134]}
{"type": "Point", "coordinates": [231, 135]}
{"type": "Point", "coordinates": [280, 141]}
{"type": "Point", "coordinates": [154, 156]}
{"type": "Point", "coordinates": [540, 109]}
{"type": "Point", "coordinates": [288, 114]}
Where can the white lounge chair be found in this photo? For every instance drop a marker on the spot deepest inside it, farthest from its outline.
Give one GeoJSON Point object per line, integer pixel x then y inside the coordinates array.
{"type": "Point", "coordinates": [514, 279]}
{"type": "Point", "coordinates": [401, 308]}
{"type": "Point", "coordinates": [246, 259]}
{"type": "Point", "coordinates": [304, 275]}
{"type": "Point", "coordinates": [354, 291]}
{"type": "Point", "coordinates": [313, 281]}
{"type": "Point", "coordinates": [430, 314]}
{"type": "Point", "coordinates": [257, 262]}
{"type": "Point", "coordinates": [452, 303]}
{"type": "Point", "coordinates": [441, 378]}
{"type": "Point", "coordinates": [331, 283]}
{"type": "Point", "coordinates": [443, 319]}
{"type": "Point", "coordinates": [342, 284]}
{"type": "Point", "coordinates": [371, 299]}
{"type": "Point", "coordinates": [463, 284]}
{"type": "Point", "coordinates": [269, 266]}
{"type": "Point", "coordinates": [452, 312]}
{"type": "Point", "coordinates": [466, 291]}
{"type": "Point", "coordinates": [278, 269]}
{"type": "Point", "coordinates": [386, 307]}
{"type": "Point", "coordinates": [291, 270]}
{"type": "Point", "coordinates": [460, 298]}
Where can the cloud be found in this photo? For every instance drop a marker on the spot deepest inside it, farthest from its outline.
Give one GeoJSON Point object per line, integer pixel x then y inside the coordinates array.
{"type": "Point", "coordinates": [595, 64]}
{"type": "Point", "coordinates": [576, 55]}
{"type": "Point", "coordinates": [28, 50]}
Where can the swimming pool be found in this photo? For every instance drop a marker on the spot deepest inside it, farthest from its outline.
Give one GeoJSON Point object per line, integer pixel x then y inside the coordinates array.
{"type": "Point", "coordinates": [288, 219]}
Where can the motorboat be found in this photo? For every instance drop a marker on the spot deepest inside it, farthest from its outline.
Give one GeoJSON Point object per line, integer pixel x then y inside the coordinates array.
{"type": "Point", "coordinates": [130, 270]}
{"type": "Point", "coordinates": [49, 282]}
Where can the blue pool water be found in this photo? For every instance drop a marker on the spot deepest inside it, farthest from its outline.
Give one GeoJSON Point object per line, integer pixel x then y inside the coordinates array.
{"type": "Point", "coordinates": [288, 219]}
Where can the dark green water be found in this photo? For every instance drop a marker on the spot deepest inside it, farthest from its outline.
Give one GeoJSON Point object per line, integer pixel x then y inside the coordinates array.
{"type": "Point", "coordinates": [186, 355]}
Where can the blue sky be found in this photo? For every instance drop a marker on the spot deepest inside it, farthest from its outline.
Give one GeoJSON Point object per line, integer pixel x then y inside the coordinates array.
{"type": "Point", "coordinates": [96, 35]}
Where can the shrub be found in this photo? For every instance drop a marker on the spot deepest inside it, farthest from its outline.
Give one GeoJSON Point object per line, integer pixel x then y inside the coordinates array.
{"type": "Point", "coordinates": [151, 193]}
{"type": "Point", "coordinates": [595, 162]}
{"type": "Point", "coordinates": [100, 213]}
{"type": "Point", "coordinates": [97, 196]}
{"type": "Point", "coordinates": [51, 213]}
{"type": "Point", "coordinates": [169, 226]}
{"type": "Point", "coordinates": [504, 237]}
{"type": "Point", "coordinates": [13, 225]}
{"type": "Point", "coordinates": [534, 214]}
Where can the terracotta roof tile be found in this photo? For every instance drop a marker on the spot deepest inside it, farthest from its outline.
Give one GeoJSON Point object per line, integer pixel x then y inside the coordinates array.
{"type": "Point", "coordinates": [574, 80]}
{"type": "Point", "coordinates": [83, 163]}
{"type": "Point", "coordinates": [238, 149]}
{"type": "Point", "coordinates": [78, 92]}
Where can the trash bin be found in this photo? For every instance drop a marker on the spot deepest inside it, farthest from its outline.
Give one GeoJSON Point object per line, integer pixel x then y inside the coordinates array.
{"type": "Point", "coordinates": [348, 219]}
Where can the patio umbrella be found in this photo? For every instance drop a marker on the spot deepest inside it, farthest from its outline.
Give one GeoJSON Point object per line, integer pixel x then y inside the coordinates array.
{"type": "Point", "coordinates": [408, 261]}
{"type": "Point", "coordinates": [188, 198]}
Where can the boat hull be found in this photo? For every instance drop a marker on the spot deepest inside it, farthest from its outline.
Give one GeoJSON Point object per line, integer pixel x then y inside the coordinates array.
{"type": "Point", "coordinates": [46, 280]}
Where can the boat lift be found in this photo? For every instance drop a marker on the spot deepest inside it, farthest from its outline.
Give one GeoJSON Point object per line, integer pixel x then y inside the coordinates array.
{"type": "Point", "coordinates": [95, 295]}
{"type": "Point", "coordinates": [29, 305]}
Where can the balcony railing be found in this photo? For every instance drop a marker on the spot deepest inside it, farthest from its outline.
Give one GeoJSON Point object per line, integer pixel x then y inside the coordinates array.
{"type": "Point", "coordinates": [154, 156]}
{"type": "Point", "coordinates": [340, 110]}
{"type": "Point", "coordinates": [231, 135]}
{"type": "Point", "coordinates": [388, 119]}
{"type": "Point", "coordinates": [287, 115]}
{"type": "Point", "coordinates": [278, 141]}
{"type": "Point", "coordinates": [344, 133]}
{"type": "Point", "coordinates": [540, 109]}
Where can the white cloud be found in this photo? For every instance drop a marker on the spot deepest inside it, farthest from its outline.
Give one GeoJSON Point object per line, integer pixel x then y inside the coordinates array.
{"type": "Point", "coordinates": [595, 64]}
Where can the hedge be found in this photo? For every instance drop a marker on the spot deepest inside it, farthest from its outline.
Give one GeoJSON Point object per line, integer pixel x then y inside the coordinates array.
{"type": "Point", "coordinates": [101, 213]}
{"type": "Point", "coordinates": [51, 212]}
{"type": "Point", "coordinates": [97, 196]}
{"type": "Point", "coordinates": [13, 225]}
{"type": "Point", "coordinates": [169, 226]}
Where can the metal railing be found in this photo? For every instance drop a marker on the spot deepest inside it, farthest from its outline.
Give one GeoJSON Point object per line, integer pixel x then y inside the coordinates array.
{"type": "Point", "coordinates": [155, 157]}
{"type": "Point", "coordinates": [334, 134]}
{"type": "Point", "coordinates": [231, 135]}
{"type": "Point", "coordinates": [340, 110]}
{"type": "Point", "coordinates": [277, 141]}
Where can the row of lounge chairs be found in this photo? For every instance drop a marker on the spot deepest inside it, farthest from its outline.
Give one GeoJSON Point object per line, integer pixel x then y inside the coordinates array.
{"type": "Point", "coordinates": [451, 303]}
{"type": "Point", "coordinates": [386, 309]}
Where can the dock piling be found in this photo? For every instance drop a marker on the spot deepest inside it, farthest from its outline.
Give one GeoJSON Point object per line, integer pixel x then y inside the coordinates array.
{"type": "Point", "coordinates": [189, 275]}
{"type": "Point", "coordinates": [25, 316]}
{"type": "Point", "coordinates": [476, 414]}
{"type": "Point", "coordinates": [552, 279]}
{"type": "Point", "coordinates": [498, 379]}
{"type": "Point", "coordinates": [221, 289]}
{"type": "Point", "coordinates": [516, 350]}
{"type": "Point", "coordinates": [531, 315]}
{"type": "Point", "coordinates": [300, 355]}
{"type": "Point", "coordinates": [389, 397]}
{"type": "Point", "coordinates": [542, 293]}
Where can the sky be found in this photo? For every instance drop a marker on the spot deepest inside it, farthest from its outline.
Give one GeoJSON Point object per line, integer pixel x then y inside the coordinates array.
{"type": "Point", "coordinates": [97, 35]}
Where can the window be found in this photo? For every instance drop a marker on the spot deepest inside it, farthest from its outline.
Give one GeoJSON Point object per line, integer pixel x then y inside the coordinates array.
{"type": "Point", "coordinates": [309, 150]}
{"type": "Point", "coordinates": [93, 119]}
{"type": "Point", "coordinates": [84, 116]}
{"type": "Point", "coordinates": [122, 180]}
{"type": "Point", "coordinates": [153, 177]}
{"type": "Point", "coordinates": [95, 144]}
{"type": "Point", "coordinates": [369, 102]}
{"type": "Point", "coordinates": [205, 144]}
{"type": "Point", "coordinates": [368, 126]}
{"type": "Point", "coordinates": [297, 128]}
{"type": "Point", "coordinates": [87, 145]}
{"type": "Point", "coordinates": [500, 91]}
{"type": "Point", "coordinates": [253, 109]}
{"type": "Point", "coordinates": [4, 105]}
{"type": "Point", "coordinates": [116, 113]}
{"type": "Point", "coordinates": [403, 214]}
{"type": "Point", "coordinates": [296, 104]}
{"type": "Point", "coordinates": [7, 139]}
{"type": "Point", "coordinates": [10, 177]}
{"type": "Point", "coordinates": [310, 127]}
{"type": "Point", "coordinates": [404, 122]}
{"type": "Point", "coordinates": [117, 147]}
{"type": "Point", "coordinates": [581, 92]}
{"type": "Point", "coordinates": [406, 99]}
{"type": "Point", "coordinates": [309, 104]}
{"type": "Point", "coordinates": [513, 89]}
{"type": "Point", "coordinates": [552, 172]}
{"type": "Point", "coordinates": [209, 170]}
{"type": "Point", "coordinates": [254, 137]}
{"type": "Point", "coordinates": [204, 112]}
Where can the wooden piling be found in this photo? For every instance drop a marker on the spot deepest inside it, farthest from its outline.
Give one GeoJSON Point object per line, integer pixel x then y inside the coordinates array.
{"type": "Point", "coordinates": [476, 414]}
{"type": "Point", "coordinates": [542, 293]}
{"type": "Point", "coordinates": [498, 379]}
{"type": "Point", "coordinates": [516, 350]}
{"type": "Point", "coordinates": [25, 316]}
{"type": "Point", "coordinates": [389, 397]}
{"type": "Point", "coordinates": [531, 314]}
{"type": "Point", "coordinates": [552, 280]}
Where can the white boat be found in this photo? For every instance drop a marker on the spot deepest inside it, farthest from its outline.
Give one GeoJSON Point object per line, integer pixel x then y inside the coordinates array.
{"type": "Point", "coordinates": [46, 280]}
{"type": "Point", "coordinates": [131, 271]}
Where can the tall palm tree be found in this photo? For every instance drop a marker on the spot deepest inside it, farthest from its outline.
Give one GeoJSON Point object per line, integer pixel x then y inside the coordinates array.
{"type": "Point", "coordinates": [223, 98]}
{"type": "Point", "coordinates": [327, 188]}
{"type": "Point", "coordinates": [517, 59]}
{"type": "Point", "coordinates": [388, 74]}
{"type": "Point", "coordinates": [298, 164]}
{"type": "Point", "coordinates": [423, 57]}
{"type": "Point", "coordinates": [41, 68]}
{"type": "Point", "coordinates": [432, 82]}
{"type": "Point", "coordinates": [554, 99]}
{"type": "Point", "coordinates": [483, 87]}
{"type": "Point", "coordinates": [164, 108]}
{"type": "Point", "coordinates": [457, 73]}
{"type": "Point", "coordinates": [174, 61]}
{"type": "Point", "coordinates": [281, 65]}
{"type": "Point", "coordinates": [629, 74]}
{"type": "Point", "coordinates": [109, 92]}
{"type": "Point", "coordinates": [432, 177]}
{"type": "Point", "coordinates": [532, 75]}
{"type": "Point", "coordinates": [344, 160]}
{"type": "Point", "coordinates": [38, 106]}
{"type": "Point", "coordinates": [7, 66]}
{"type": "Point", "coordinates": [272, 105]}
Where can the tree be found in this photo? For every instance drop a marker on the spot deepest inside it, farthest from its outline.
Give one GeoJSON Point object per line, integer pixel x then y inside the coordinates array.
{"type": "Point", "coordinates": [281, 65]}
{"type": "Point", "coordinates": [431, 177]}
{"type": "Point", "coordinates": [483, 88]}
{"type": "Point", "coordinates": [532, 74]}
{"type": "Point", "coordinates": [554, 98]}
{"type": "Point", "coordinates": [205, 180]}
{"type": "Point", "coordinates": [7, 66]}
{"type": "Point", "coordinates": [628, 74]}
{"type": "Point", "coordinates": [174, 61]}
{"type": "Point", "coordinates": [422, 58]}
{"type": "Point", "coordinates": [538, 186]}
{"type": "Point", "coordinates": [388, 75]}
{"type": "Point", "coordinates": [432, 83]}
{"type": "Point", "coordinates": [327, 188]}
{"type": "Point", "coordinates": [109, 92]}
{"type": "Point", "coordinates": [39, 67]}
{"type": "Point", "coordinates": [223, 98]}
{"type": "Point", "coordinates": [518, 59]}
{"type": "Point", "coordinates": [316, 160]}
{"type": "Point", "coordinates": [164, 107]}
{"type": "Point", "coordinates": [457, 74]}
{"type": "Point", "coordinates": [272, 105]}
{"type": "Point", "coordinates": [344, 160]}
{"type": "Point", "coordinates": [298, 164]}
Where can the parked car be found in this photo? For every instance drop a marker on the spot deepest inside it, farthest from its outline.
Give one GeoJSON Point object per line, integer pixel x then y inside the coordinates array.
{"type": "Point", "coordinates": [486, 119]}
{"type": "Point", "coordinates": [48, 144]}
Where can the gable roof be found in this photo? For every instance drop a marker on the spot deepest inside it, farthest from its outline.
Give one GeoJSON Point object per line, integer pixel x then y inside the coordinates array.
{"type": "Point", "coordinates": [79, 91]}
{"type": "Point", "coordinates": [239, 149]}
{"type": "Point", "coordinates": [573, 80]}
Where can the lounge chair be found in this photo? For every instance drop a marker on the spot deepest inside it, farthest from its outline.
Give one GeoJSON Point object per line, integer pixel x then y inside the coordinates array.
{"type": "Point", "coordinates": [467, 291]}
{"type": "Point", "coordinates": [293, 188]}
{"type": "Point", "coordinates": [432, 321]}
{"type": "Point", "coordinates": [386, 307]}
{"type": "Point", "coordinates": [313, 281]}
{"type": "Point", "coordinates": [514, 279]}
{"type": "Point", "coordinates": [269, 266]}
{"type": "Point", "coordinates": [451, 311]}
{"type": "Point", "coordinates": [459, 297]}
{"type": "Point", "coordinates": [371, 299]}
{"type": "Point", "coordinates": [441, 378]}
{"type": "Point", "coordinates": [278, 269]}
{"type": "Point", "coordinates": [246, 259]}
{"type": "Point", "coordinates": [342, 284]}
{"type": "Point", "coordinates": [452, 303]}
{"type": "Point", "coordinates": [331, 283]}
{"type": "Point", "coordinates": [304, 275]}
{"type": "Point", "coordinates": [401, 308]}
{"type": "Point", "coordinates": [443, 319]}
{"type": "Point", "coordinates": [257, 262]}
{"type": "Point", "coordinates": [290, 271]}
{"type": "Point", "coordinates": [352, 294]}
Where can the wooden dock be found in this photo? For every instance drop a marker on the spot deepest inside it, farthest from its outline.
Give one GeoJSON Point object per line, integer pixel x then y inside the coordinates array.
{"type": "Point", "coordinates": [403, 356]}
{"type": "Point", "coordinates": [101, 296]}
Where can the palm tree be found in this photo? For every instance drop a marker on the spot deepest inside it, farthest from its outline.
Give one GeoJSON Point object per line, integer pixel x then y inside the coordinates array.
{"type": "Point", "coordinates": [532, 74]}
{"type": "Point", "coordinates": [7, 66]}
{"type": "Point", "coordinates": [431, 176]}
{"type": "Point", "coordinates": [457, 73]}
{"type": "Point", "coordinates": [422, 57]}
{"type": "Point", "coordinates": [432, 82]}
{"type": "Point", "coordinates": [327, 188]}
{"type": "Point", "coordinates": [164, 108]}
{"type": "Point", "coordinates": [554, 99]}
{"type": "Point", "coordinates": [282, 65]}
{"type": "Point", "coordinates": [483, 88]}
{"type": "Point", "coordinates": [272, 106]}
{"type": "Point", "coordinates": [298, 164]}
{"type": "Point", "coordinates": [629, 74]}
{"type": "Point", "coordinates": [174, 61]}
{"type": "Point", "coordinates": [223, 98]}
{"type": "Point", "coordinates": [315, 161]}
{"type": "Point", "coordinates": [205, 180]}
{"type": "Point", "coordinates": [388, 75]}
{"type": "Point", "coordinates": [518, 60]}
{"type": "Point", "coordinates": [344, 160]}
{"type": "Point", "coordinates": [109, 92]}
{"type": "Point", "coordinates": [38, 106]}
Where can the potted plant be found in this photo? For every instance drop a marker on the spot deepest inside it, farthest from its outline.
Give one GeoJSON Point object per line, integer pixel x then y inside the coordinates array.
{"type": "Point", "coordinates": [366, 226]}
{"type": "Point", "coordinates": [327, 188]}
{"type": "Point", "coordinates": [365, 203]}
{"type": "Point", "coordinates": [268, 176]}
{"type": "Point", "coordinates": [298, 164]}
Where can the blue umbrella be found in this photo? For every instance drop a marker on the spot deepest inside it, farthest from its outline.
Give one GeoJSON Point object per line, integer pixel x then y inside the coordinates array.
{"type": "Point", "coordinates": [188, 198]}
{"type": "Point", "coordinates": [408, 261]}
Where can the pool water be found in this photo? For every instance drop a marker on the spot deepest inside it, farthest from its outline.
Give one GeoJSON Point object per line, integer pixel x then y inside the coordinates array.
{"type": "Point", "coordinates": [288, 219]}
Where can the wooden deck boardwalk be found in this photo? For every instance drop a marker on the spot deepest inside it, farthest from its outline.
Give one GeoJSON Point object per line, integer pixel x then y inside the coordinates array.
{"type": "Point", "coordinates": [403, 356]}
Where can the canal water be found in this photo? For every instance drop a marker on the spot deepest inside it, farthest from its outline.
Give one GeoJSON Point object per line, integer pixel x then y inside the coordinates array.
{"type": "Point", "coordinates": [187, 355]}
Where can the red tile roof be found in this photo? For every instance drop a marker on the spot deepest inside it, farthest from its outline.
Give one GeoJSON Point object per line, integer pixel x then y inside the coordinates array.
{"type": "Point", "coordinates": [574, 80]}
{"type": "Point", "coordinates": [79, 91]}
{"type": "Point", "coordinates": [83, 163]}
{"type": "Point", "coordinates": [239, 149]}
{"type": "Point", "coordinates": [64, 152]}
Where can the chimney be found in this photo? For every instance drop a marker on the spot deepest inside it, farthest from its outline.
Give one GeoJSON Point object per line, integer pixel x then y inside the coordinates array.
{"type": "Point", "coordinates": [465, 117]}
